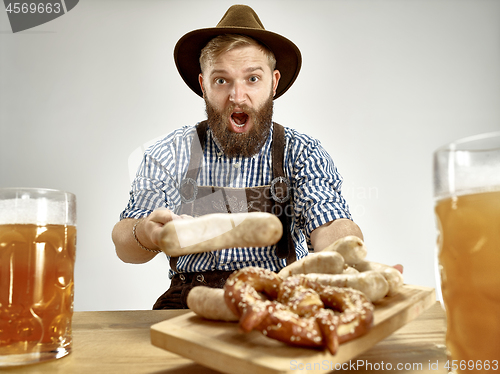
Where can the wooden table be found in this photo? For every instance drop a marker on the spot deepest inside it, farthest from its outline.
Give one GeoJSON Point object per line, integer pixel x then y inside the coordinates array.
{"type": "Point", "coordinates": [119, 342]}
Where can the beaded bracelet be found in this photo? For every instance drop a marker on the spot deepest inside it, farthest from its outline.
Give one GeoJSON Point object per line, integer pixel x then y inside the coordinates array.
{"type": "Point", "coordinates": [137, 240]}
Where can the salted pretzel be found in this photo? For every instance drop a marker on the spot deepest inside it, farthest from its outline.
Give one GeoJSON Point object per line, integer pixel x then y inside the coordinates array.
{"type": "Point", "coordinates": [297, 310]}
{"type": "Point", "coordinates": [243, 293]}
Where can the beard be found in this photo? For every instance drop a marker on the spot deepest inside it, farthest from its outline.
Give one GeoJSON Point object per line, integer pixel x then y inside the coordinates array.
{"type": "Point", "coordinates": [245, 144]}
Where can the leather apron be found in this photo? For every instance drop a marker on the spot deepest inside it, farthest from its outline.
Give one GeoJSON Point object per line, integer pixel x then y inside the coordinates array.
{"type": "Point", "coordinates": [276, 198]}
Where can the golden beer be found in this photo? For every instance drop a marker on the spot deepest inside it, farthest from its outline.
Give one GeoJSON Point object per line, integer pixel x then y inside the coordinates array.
{"type": "Point", "coordinates": [37, 257]}
{"type": "Point", "coordinates": [36, 292]}
{"type": "Point", "coordinates": [469, 259]}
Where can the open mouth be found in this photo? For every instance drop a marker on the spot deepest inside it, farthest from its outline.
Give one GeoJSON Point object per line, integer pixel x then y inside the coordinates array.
{"type": "Point", "coordinates": [239, 119]}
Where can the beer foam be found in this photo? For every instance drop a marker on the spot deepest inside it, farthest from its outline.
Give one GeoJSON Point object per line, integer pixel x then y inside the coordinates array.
{"type": "Point", "coordinates": [464, 181]}
{"type": "Point", "coordinates": [485, 176]}
{"type": "Point", "coordinates": [35, 211]}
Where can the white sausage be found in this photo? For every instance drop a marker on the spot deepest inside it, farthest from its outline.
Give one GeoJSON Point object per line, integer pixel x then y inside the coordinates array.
{"type": "Point", "coordinates": [393, 276]}
{"type": "Point", "coordinates": [217, 231]}
{"type": "Point", "coordinates": [209, 303]}
{"type": "Point", "coordinates": [322, 262]}
{"type": "Point", "coordinates": [350, 247]}
{"type": "Point", "coordinates": [371, 283]}
{"type": "Point", "coordinates": [349, 270]}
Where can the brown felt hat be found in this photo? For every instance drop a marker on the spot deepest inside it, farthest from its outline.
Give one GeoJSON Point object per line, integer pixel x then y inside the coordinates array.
{"type": "Point", "coordinates": [239, 19]}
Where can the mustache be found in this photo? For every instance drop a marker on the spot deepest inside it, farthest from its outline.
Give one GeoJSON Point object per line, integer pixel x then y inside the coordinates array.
{"type": "Point", "coordinates": [241, 107]}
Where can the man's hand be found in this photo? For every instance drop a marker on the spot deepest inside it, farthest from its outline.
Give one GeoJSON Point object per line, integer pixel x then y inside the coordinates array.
{"type": "Point", "coordinates": [399, 268]}
{"type": "Point", "coordinates": [147, 232]}
{"type": "Point", "coordinates": [330, 232]}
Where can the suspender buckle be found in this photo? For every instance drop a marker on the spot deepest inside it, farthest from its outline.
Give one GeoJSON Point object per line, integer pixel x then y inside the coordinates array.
{"type": "Point", "coordinates": [185, 189]}
{"type": "Point", "coordinates": [273, 189]}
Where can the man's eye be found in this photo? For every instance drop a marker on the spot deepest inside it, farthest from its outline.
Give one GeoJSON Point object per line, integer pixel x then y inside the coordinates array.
{"type": "Point", "coordinates": [220, 81]}
{"type": "Point", "coordinates": [254, 79]}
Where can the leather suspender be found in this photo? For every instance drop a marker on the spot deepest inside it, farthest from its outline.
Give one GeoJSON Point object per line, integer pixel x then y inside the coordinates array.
{"type": "Point", "coordinates": [280, 189]}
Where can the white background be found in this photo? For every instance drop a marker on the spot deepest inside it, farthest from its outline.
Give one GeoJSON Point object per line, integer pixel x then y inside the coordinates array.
{"type": "Point", "coordinates": [383, 83]}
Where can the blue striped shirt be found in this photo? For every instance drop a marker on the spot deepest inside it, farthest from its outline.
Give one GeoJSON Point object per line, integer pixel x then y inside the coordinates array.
{"type": "Point", "coordinates": [314, 179]}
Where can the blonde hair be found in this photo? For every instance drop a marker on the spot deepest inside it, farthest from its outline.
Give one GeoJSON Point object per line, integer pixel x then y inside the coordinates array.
{"type": "Point", "coordinates": [227, 42]}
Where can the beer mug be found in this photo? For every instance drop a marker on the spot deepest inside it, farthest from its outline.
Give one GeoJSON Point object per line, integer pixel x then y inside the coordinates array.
{"type": "Point", "coordinates": [467, 207]}
{"type": "Point", "coordinates": [37, 257]}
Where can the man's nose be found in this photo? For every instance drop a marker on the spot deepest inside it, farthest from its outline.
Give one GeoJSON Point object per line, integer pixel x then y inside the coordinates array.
{"type": "Point", "coordinates": [238, 93]}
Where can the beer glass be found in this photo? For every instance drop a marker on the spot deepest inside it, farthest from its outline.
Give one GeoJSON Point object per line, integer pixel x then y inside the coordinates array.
{"type": "Point", "coordinates": [467, 207]}
{"type": "Point", "coordinates": [37, 257]}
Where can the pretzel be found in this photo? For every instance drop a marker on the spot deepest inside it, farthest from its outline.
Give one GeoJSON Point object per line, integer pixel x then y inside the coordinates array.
{"type": "Point", "coordinates": [242, 294]}
{"type": "Point", "coordinates": [297, 310]}
{"type": "Point", "coordinates": [356, 311]}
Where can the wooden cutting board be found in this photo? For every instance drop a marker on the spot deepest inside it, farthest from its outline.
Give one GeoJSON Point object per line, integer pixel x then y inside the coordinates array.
{"type": "Point", "coordinates": [220, 346]}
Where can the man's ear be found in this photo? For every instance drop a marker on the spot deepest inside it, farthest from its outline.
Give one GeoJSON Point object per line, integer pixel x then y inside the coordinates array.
{"type": "Point", "coordinates": [276, 79]}
{"type": "Point", "coordinates": [200, 79]}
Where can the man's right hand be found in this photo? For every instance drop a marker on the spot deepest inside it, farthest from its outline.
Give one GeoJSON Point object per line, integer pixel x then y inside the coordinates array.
{"type": "Point", "coordinates": [151, 227]}
{"type": "Point", "coordinates": [147, 232]}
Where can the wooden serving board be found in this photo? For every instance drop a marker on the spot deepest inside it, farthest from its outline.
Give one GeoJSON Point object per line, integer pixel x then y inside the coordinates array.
{"type": "Point", "coordinates": [221, 346]}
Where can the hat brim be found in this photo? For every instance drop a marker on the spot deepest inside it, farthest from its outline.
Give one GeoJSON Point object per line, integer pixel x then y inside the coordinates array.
{"type": "Point", "coordinates": [188, 48]}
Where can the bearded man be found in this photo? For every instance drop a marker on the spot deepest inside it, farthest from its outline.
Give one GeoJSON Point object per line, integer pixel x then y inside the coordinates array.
{"type": "Point", "coordinates": [238, 160]}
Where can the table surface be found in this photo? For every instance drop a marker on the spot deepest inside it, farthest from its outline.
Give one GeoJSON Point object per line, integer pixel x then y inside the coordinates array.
{"type": "Point", "coordinates": [119, 342]}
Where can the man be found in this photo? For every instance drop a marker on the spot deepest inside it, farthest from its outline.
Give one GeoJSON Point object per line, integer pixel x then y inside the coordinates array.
{"type": "Point", "coordinates": [237, 160]}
